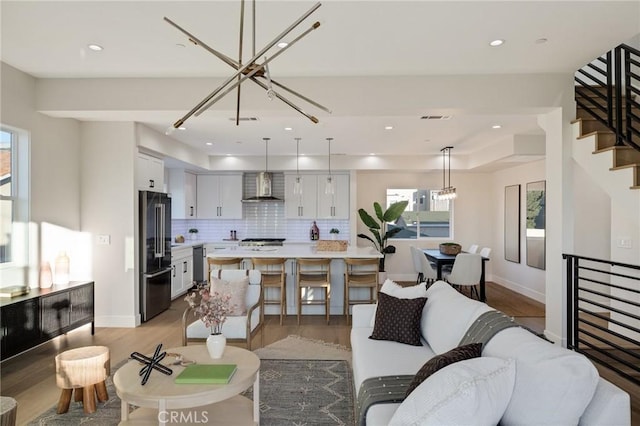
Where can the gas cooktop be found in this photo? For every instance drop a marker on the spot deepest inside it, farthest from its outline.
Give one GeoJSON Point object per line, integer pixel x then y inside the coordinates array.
{"type": "Point", "coordinates": [261, 242]}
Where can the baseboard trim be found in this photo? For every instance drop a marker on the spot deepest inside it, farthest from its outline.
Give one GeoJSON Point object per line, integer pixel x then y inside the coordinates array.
{"type": "Point", "coordinates": [525, 291]}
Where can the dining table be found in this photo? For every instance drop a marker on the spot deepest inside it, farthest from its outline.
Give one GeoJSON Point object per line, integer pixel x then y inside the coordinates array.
{"type": "Point", "coordinates": [440, 259]}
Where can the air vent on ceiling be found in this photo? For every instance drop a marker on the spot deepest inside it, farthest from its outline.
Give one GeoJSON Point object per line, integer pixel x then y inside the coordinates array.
{"type": "Point", "coordinates": [244, 119]}
{"type": "Point", "coordinates": [435, 117]}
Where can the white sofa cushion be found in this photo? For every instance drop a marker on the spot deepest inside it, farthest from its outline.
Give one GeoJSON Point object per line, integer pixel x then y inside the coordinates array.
{"type": "Point", "coordinates": [447, 315]}
{"type": "Point", "coordinates": [471, 392]}
{"type": "Point", "coordinates": [553, 386]}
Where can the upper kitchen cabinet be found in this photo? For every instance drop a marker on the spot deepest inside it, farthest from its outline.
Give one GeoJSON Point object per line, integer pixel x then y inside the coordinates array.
{"type": "Point", "coordinates": [219, 196]}
{"type": "Point", "coordinates": [304, 204]}
{"type": "Point", "coordinates": [182, 187]}
{"type": "Point", "coordinates": [333, 205]}
{"type": "Point", "coordinates": [149, 173]}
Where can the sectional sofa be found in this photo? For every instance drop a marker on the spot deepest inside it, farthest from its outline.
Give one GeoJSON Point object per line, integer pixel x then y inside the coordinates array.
{"type": "Point", "coordinates": [520, 378]}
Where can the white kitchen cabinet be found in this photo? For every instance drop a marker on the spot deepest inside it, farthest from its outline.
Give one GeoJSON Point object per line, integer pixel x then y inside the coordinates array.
{"type": "Point", "coordinates": [301, 206]}
{"type": "Point", "coordinates": [336, 205]}
{"type": "Point", "coordinates": [181, 271]}
{"type": "Point", "coordinates": [149, 173]}
{"type": "Point", "coordinates": [219, 196]}
{"type": "Point", "coordinates": [182, 187]}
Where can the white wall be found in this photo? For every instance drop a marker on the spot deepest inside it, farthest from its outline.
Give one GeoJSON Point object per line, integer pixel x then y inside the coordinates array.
{"type": "Point", "coordinates": [109, 202]}
{"type": "Point", "coordinates": [518, 277]}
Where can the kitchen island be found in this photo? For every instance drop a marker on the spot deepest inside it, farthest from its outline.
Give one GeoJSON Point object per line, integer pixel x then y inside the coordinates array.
{"type": "Point", "coordinates": [291, 252]}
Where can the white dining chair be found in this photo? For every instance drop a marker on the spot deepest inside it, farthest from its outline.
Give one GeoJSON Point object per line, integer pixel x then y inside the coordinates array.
{"type": "Point", "coordinates": [429, 274]}
{"type": "Point", "coordinates": [473, 248]}
{"type": "Point", "coordinates": [485, 252]}
{"type": "Point", "coordinates": [417, 264]}
{"type": "Point", "coordinates": [466, 272]}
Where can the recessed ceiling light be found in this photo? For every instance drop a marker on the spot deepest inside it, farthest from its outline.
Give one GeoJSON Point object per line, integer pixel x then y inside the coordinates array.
{"type": "Point", "coordinates": [283, 44]}
{"type": "Point", "coordinates": [372, 153]}
{"type": "Point", "coordinates": [496, 43]}
{"type": "Point", "coordinates": [541, 40]}
{"type": "Point", "coordinates": [496, 126]}
{"type": "Point", "coordinates": [388, 127]}
{"type": "Point", "coordinates": [95, 47]}
{"type": "Point", "coordinates": [288, 128]}
{"type": "Point", "coordinates": [182, 128]}
{"type": "Point", "coordinates": [209, 143]}
{"type": "Point", "coordinates": [228, 155]}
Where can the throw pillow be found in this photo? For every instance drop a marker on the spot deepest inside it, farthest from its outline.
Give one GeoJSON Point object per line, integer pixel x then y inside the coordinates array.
{"type": "Point", "coordinates": [398, 320]}
{"type": "Point", "coordinates": [237, 290]}
{"type": "Point", "coordinates": [471, 392]}
{"type": "Point", "coordinates": [438, 362]}
{"type": "Point", "coordinates": [396, 290]}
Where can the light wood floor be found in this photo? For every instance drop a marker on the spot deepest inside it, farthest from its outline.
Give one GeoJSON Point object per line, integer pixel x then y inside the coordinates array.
{"type": "Point", "coordinates": [30, 377]}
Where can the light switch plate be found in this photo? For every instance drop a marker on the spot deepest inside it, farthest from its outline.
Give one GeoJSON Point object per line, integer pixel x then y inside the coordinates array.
{"type": "Point", "coordinates": [624, 242]}
{"type": "Point", "coordinates": [104, 240]}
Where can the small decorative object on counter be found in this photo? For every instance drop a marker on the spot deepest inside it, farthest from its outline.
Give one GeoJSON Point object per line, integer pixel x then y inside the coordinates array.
{"type": "Point", "coordinates": [46, 276]}
{"type": "Point", "coordinates": [315, 232]}
{"type": "Point", "coordinates": [151, 363]}
{"type": "Point", "coordinates": [334, 233]}
{"type": "Point", "coordinates": [179, 239]}
{"type": "Point", "coordinates": [62, 269]}
{"type": "Point", "coordinates": [193, 233]}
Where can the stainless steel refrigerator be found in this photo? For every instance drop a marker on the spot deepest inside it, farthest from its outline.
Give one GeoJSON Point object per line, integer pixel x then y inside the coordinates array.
{"type": "Point", "coordinates": [155, 253]}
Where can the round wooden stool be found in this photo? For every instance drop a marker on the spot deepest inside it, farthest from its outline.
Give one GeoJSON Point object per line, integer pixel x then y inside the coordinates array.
{"type": "Point", "coordinates": [8, 410]}
{"type": "Point", "coordinates": [85, 370]}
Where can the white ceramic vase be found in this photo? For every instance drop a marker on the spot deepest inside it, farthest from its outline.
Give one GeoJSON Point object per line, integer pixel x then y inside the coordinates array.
{"type": "Point", "coordinates": [215, 345]}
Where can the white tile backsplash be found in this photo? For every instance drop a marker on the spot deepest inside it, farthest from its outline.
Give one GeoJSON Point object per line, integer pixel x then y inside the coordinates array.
{"type": "Point", "coordinates": [260, 220]}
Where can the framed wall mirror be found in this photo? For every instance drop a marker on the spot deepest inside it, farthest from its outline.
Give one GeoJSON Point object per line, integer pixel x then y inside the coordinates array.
{"type": "Point", "coordinates": [512, 223]}
{"type": "Point", "coordinates": [536, 219]}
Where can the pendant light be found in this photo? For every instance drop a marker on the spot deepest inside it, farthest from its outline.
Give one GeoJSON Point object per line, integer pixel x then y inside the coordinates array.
{"type": "Point", "coordinates": [447, 192]}
{"type": "Point", "coordinates": [297, 186]}
{"type": "Point", "coordinates": [328, 186]}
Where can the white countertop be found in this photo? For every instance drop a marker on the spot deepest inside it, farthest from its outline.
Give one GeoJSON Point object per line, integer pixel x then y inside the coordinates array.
{"type": "Point", "coordinates": [292, 252]}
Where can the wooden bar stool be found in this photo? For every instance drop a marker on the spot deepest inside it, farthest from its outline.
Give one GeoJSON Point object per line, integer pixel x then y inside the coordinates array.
{"type": "Point", "coordinates": [360, 273]}
{"type": "Point", "coordinates": [8, 411]}
{"type": "Point", "coordinates": [274, 278]}
{"type": "Point", "coordinates": [85, 370]}
{"type": "Point", "coordinates": [310, 274]}
{"type": "Point", "coordinates": [223, 263]}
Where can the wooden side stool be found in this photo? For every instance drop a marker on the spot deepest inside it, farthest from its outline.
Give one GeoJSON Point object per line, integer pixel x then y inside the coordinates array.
{"type": "Point", "coordinates": [85, 370]}
{"type": "Point", "coordinates": [8, 411]}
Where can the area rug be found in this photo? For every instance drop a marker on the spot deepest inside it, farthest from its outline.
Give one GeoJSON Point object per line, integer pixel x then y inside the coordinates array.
{"type": "Point", "coordinates": [293, 391]}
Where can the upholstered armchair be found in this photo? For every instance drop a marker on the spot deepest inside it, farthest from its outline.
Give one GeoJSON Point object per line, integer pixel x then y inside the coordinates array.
{"type": "Point", "coordinates": [237, 328]}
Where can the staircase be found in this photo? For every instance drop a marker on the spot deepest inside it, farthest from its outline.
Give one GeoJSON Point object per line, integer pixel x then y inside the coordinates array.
{"type": "Point", "coordinates": [608, 112]}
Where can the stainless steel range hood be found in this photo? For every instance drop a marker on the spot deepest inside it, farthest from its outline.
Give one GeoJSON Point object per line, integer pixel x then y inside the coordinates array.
{"type": "Point", "coordinates": [263, 189]}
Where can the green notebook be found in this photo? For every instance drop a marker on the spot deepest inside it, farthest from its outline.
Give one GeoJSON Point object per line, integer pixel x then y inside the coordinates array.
{"type": "Point", "coordinates": [207, 374]}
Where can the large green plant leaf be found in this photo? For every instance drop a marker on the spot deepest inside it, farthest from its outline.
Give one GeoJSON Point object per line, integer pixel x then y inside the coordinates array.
{"type": "Point", "coordinates": [394, 211]}
{"type": "Point", "coordinates": [368, 220]}
{"type": "Point", "coordinates": [378, 209]}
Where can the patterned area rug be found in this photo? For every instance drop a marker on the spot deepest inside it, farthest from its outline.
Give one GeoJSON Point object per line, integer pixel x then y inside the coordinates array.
{"type": "Point", "coordinates": [296, 392]}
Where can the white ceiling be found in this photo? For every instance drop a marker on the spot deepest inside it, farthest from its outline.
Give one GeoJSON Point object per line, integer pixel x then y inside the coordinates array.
{"type": "Point", "coordinates": [48, 39]}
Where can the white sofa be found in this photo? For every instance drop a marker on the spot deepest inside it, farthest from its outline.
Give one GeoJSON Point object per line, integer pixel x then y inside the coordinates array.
{"type": "Point", "coordinates": [552, 385]}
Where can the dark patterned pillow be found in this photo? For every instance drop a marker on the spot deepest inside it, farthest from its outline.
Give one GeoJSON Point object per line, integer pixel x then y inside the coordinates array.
{"type": "Point", "coordinates": [438, 362]}
{"type": "Point", "coordinates": [398, 319]}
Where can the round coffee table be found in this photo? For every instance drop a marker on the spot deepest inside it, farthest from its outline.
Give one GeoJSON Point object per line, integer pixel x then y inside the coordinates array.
{"type": "Point", "coordinates": [161, 401]}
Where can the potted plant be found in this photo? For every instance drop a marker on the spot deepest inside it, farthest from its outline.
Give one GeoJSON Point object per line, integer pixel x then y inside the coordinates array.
{"type": "Point", "coordinates": [334, 233]}
{"type": "Point", "coordinates": [379, 229]}
{"type": "Point", "coordinates": [193, 233]}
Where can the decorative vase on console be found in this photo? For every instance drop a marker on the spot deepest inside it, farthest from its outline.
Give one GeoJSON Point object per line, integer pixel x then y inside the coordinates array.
{"type": "Point", "coordinates": [212, 309]}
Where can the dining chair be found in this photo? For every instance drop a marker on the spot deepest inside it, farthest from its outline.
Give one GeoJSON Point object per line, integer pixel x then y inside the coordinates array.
{"type": "Point", "coordinates": [360, 274]}
{"type": "Point", "coordinates": [485, 252]}
{"type": "Point", "coordinates": [466, 272]}
{"type": "Point", "coordinates": [314, 274]}
{"type": "Point", "coordinates": [429, 274]}
{"type": "Point", "coordinates": [236, 328]}
{"type": "Point", "coordinates": [274, 278]}
{"type": "Point", "coordinates": [473, 248]}
{"type": "Point", "coordinates": [417, 263]}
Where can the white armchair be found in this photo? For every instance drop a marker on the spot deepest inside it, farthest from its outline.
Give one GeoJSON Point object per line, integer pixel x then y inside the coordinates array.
{"type": "Point", "coordinates": [240, 329]}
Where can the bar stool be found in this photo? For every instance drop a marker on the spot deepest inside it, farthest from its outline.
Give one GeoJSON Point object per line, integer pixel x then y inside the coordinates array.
{"type": "Point", "coordinates": [275, 278]}
{"type": "Point", "coordinates": [360, 273]}
{"type": "Point", "coordinates": [310, 274]}
{"type": "Point", "coordinates": [85, 370]}
{"type": "Point", "coordinates": [223, 263]}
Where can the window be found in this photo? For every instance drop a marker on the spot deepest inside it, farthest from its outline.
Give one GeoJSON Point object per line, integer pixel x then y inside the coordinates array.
{"type": "Point", "coordinates": [13, 198]}
{"type": "Point", "coordinates": [425, 216]}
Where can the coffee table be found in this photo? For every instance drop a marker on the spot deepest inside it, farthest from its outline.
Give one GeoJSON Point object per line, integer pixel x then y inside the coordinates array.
{"type": "Point", "coordinates": [161, 401]}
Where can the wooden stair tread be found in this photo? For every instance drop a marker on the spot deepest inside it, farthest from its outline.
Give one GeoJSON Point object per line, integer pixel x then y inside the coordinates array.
{"type": "Point", "coordinates": [596, 133]}
{"type": "Point", "coordinates": [625, 166]}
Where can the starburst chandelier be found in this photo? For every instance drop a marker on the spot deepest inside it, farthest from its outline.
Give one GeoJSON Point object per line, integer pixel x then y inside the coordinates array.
{"type": "Point", "coordinates": [258, 72]}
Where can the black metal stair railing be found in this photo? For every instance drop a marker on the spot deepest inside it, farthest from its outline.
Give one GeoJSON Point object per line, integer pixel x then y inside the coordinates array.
{"type": "Point", "coordinates": [603, 313]}
{"type": "Point", "coordinates": [607, 88]}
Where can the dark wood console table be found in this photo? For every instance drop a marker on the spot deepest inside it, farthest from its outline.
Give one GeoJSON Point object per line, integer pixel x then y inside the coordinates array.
{"type": "Point", "coordinates": [42, 314]}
